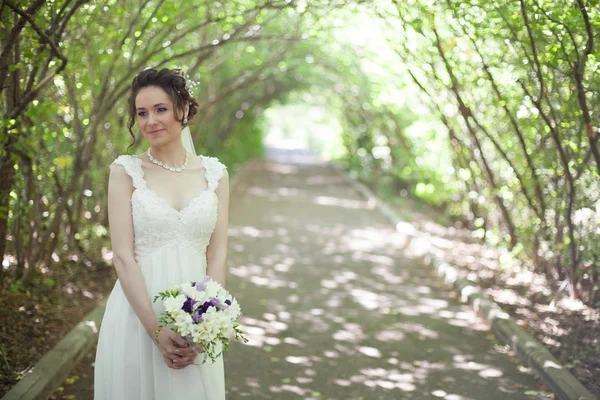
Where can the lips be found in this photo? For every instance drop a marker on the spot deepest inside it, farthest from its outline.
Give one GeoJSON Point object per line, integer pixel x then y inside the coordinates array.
{"type": "Point", "coordinates": [155, 132]}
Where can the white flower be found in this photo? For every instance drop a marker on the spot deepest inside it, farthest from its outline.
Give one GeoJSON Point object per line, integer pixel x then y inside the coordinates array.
{"type": "Point", "coordinates": [222, 294]}
{"type": "Point", "coordinates": [202, 297]}
{"type": "Point", "coordinates": [218, 348]}
{"type": "Point", "coordinates": [174, 303]}
{"type": "Point", "coordinates": [183, 318]}
{"type": "Point", "coordinates": [226, 323]}
{"type": "Point", "coordinates": [189, 290]}
{"type": "Point", "coordinates": [230, 332]}
{"type": "Point", "coordinates": [184, 322]}
{"type": "Point", "coordinates": [234, 309]}
{"type": "Point", "coordinates": [211, 322]}
{"type": "Point", "coordinates": [196, 333]}
{"type": "Point", "coordinates": [212, 289]}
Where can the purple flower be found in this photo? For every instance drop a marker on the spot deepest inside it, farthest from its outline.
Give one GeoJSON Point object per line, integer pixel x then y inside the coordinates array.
{"type": "Point", "coordinates": [228, 302]}
{"type": "Point", "coordinates": [201, 286]}
{"type": "Point", "coordinates": [188, 305]}
{"type": "Point", "coordinates": [207, 304]}
{"type": "Point", "coordinates": [197, 317]}
{"type": "Point", "coordinates": [204, 307]}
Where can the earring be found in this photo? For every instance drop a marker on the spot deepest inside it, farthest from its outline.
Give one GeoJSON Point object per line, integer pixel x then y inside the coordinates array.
{"type": "Point", "coordinates": [185, 120]}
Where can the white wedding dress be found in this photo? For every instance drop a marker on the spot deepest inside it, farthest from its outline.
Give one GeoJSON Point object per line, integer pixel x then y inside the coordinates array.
{"type": "Point", "coordinates": [170, 248]}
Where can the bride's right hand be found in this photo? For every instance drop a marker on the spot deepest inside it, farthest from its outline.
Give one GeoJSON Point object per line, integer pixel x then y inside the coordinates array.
{"type": "Point", "coordinates": [174, 349]}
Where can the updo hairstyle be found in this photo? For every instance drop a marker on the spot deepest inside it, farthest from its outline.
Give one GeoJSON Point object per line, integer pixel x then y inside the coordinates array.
{"type": "Point", "coordinates": [174, 85]}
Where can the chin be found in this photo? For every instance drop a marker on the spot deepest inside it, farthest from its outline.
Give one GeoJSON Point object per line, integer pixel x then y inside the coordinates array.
{"type": "Point", "coordinates": [156, 137]}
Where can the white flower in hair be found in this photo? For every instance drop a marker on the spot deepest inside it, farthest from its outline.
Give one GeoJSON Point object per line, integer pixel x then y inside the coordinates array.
{"type": "Point", "coordinates": [190, 85]}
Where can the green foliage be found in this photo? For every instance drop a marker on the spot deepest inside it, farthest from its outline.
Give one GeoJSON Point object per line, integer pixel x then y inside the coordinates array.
{"type": "Point", "coordinates": [58, 202]}
{"type": "Point", "coordinates": [484, 108]}
{"type": "Point", "coordinates": [512, 85]}
{"type": "Point", "coordinates": [166, 294]}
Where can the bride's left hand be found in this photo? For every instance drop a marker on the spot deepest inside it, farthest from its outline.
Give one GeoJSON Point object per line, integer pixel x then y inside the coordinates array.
{"type": "Point", "coordinates": [177, 354]}
{"type": "Point", "coordinates": [184, 356]}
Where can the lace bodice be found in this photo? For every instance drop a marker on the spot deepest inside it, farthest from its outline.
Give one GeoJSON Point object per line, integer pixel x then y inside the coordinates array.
{"type": "Point", "coordinates": [156, 223]}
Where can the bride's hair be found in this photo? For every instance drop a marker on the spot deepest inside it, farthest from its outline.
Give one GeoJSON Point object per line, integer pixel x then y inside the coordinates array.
{"type": "Point", "coordinates": [173, 83]}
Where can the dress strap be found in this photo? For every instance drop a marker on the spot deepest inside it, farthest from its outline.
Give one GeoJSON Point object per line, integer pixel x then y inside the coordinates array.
{"type": "Point", "coordinates": [214, 171]}
{"type": "Point", "coordinates": [133, 168]}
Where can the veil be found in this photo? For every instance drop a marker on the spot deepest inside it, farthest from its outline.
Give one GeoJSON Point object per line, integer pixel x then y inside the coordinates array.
{"type": "Point", "coordinates": [186, 139]}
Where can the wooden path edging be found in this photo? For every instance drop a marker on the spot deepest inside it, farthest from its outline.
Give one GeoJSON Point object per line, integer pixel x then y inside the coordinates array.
{"type": "Point", "coordinates": [52, 370]}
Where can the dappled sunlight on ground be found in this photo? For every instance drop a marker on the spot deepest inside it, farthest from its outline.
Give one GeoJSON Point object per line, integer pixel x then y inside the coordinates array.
{"type": "Point", "coordinates": [335, 309]}
{"type": "Point", "coordinates": [569, 328]}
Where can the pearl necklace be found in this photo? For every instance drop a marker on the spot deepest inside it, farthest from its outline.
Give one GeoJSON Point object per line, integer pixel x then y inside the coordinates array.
{"type": "Point", "coordinates": [160, 163]}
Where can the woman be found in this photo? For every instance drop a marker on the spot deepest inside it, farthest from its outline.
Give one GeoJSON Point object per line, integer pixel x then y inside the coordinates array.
{"type": "Point", "coordinates": [168, 216]}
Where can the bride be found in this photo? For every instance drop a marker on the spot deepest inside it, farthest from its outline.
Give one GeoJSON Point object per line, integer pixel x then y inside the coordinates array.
{"type": "Point", "coordinates": [168, 216]}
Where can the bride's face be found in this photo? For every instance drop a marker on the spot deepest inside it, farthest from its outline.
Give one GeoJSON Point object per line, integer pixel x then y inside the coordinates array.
{"type": "Point", "coordinates": [156, 116]}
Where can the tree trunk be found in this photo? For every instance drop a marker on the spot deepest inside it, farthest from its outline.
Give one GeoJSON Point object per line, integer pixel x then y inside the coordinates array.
{"type": "Point", "coordinates": [467, 116]}
{"type": "Point", "coordinates": [7, 180]}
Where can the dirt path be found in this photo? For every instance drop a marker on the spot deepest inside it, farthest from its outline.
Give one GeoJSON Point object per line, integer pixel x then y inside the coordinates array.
{"type": "Point", "coordinates": [336, 311]}
{"type": "Point", "coordinates": [334, 308]}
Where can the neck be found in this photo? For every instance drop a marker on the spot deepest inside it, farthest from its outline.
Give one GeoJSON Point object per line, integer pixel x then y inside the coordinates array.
{"type": "Point", "coordinates": [170, 154]}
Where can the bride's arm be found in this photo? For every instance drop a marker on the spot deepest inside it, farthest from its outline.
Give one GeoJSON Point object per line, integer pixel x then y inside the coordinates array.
{"type": "Point", "coordinates": [130, 274]}
{"type": "Point", "coordinates": [216, 253]}
{"type": "Point", "coordinates": [121, 236]}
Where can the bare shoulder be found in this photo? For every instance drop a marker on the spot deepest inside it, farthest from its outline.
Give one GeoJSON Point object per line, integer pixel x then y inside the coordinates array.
{"type": "Point", "coordinates": [117, 171]}
{"type": "Point", "coordinates": [117, 167]}
{"type": "Point", "coordinates": [118, 177]}
{"type": "Point", "coordinates": [223, 180]}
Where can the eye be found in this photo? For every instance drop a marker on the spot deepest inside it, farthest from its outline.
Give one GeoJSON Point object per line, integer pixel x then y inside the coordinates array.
{"type": "Point", "coordinates": [162, 109]}
{"type": "Point", "coordinates": [141, 113]}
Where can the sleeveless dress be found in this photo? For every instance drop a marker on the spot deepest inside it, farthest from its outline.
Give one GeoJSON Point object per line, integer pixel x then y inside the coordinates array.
{"type": "Point", "coordinates": [170, 249]}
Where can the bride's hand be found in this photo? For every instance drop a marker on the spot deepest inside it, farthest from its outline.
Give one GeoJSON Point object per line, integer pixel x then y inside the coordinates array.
{"type": "Point", "coordinates": [174, 349]}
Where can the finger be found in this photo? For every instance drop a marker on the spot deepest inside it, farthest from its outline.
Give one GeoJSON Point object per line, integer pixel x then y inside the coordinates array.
{"type": "Point", "coordinates": [189, 363]}
{"type": "Point", "coordinates": [176, 363]}
{"type": "Point", "coordinates": [181, 352]}
{"type": "Point", "coordinates": [172, 353]}
{"type": "Point", "coordinates": [185, 352]}
{"type": "Point", "coordinates": [175, 354]}
{"type": "Point", "coordinates": [169, 362]}
{"type": "Point", "coordinates": [182, 364]}
{"type": "Point", "coordinates": [179, 340]}
{"type": "Point", "coordinates": [179, 359]}
{"type": "Point", "coordinates": [187, 360]}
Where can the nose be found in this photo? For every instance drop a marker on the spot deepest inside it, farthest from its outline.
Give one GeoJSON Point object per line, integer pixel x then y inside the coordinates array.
{"type": "Point", "coordinates": [150, 118]}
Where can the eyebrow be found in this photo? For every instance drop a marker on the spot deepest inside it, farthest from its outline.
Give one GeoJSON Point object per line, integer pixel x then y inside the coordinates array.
{"type": "Point", "coordinates": [156, 105]}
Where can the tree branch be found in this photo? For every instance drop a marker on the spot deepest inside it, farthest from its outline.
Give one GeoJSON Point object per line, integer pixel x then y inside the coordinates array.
{"type": "Point", "coordinates": [12, 39]}
{"type": "Point", "coordinates": [45, 38]}
{"type": "Point", "coordinates": [533, 48]}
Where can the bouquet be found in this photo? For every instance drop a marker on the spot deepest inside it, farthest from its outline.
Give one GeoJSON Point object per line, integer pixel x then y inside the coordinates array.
{"type": "Point", "coordinates": [203, 313]}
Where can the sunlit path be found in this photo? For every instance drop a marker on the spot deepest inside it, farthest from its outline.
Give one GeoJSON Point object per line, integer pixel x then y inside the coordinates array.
{"type": "Point", "coordinates": [335, 311]}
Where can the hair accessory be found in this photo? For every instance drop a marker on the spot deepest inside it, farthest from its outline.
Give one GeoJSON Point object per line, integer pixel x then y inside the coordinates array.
{"type": "Point", "coordinates": [190, 85]}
